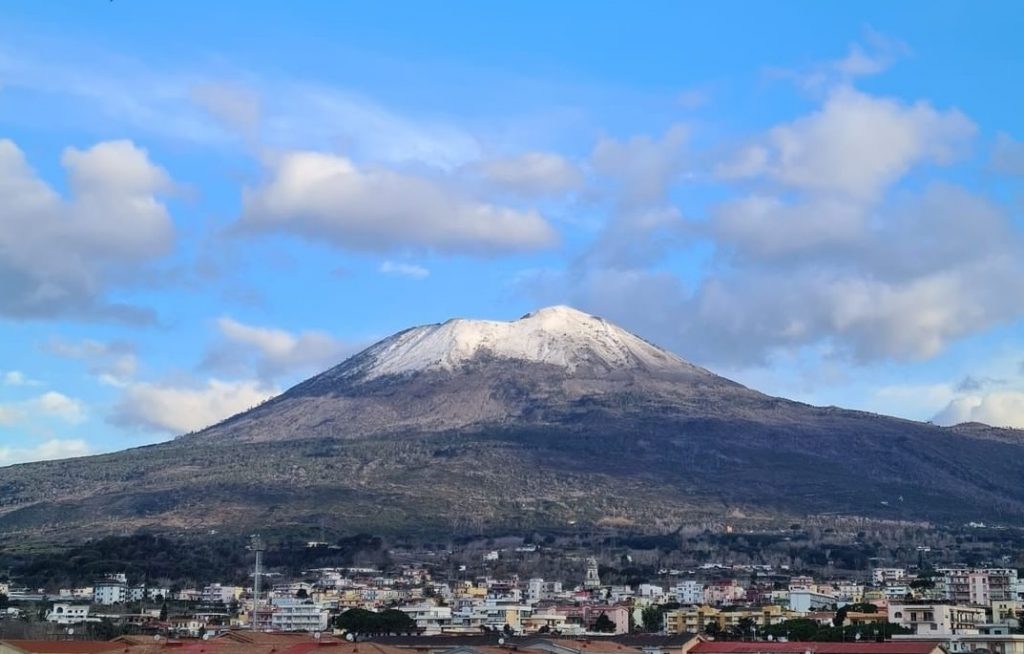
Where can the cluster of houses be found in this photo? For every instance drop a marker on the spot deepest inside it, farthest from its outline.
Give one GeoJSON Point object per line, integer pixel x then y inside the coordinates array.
{"type": "Point", "coordinates": [966, 609]}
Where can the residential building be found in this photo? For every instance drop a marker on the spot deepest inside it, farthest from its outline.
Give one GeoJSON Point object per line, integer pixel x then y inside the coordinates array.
{"type": "Point", "coordinates": [937, 619]}
{"type": "Point", "coordinates": [689, 592]}
{"type": "Point", "coordinates": [430, 618]}
{"type": "Point", "coordinates": [68, 614]}
{"type": "Point", "coordinates": [805, 600]}
{"type": "Point", "coordinates": [291, 614]}
{"type": "Point", "coordinates": [109, 591]}
{"type": "Point", "coordinates": [882, 576]}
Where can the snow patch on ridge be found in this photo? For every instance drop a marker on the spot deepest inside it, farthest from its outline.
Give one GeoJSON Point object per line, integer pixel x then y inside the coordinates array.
{"type": "Point", "coordinates": [559, 336]}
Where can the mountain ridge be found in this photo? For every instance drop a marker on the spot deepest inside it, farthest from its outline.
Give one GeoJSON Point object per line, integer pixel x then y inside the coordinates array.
{"type": "Point", "coordinates": [537, 423]}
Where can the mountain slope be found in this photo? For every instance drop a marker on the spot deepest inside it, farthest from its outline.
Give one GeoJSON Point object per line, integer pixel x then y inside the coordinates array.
{"type": "Point", "coordinates": [555, 418]}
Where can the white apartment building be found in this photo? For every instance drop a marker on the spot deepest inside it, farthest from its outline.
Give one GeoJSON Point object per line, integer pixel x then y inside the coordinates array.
{"type": "Point", "coordinates": [689, 592]}
{"type": "Point", "coordinates": [430, 619]}
{"type": "Point", "coordinates": [979, 586]}
{"type": "Point", "coordinates": [806, 601]}
{"type": "Point", "coordinates": [109, 591]}
{"type": "Point", "coordinates": [651, 591]}
{"type": "Point", "coordinates": [218, 594]}
{"type": "Point", "coordinates": [1004, 643]}
{"type": "Point", "coordinates": [537, 589]}
{"type": "Point", "coordinates": [68, 614]}
{"type": "Point", "coordinates": [937, 619]}
{"type": "Point", "coordinates": [881, 576]}
{"type": "Point", "coordinates": [290, 614]}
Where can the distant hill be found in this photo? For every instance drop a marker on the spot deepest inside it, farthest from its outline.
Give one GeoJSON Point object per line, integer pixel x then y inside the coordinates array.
{"type": "Point", "coordinates": [554, 419]}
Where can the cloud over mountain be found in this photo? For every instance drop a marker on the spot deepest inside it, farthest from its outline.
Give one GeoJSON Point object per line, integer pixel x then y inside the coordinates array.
{"type": "Point", "coordinates": [329, 198]}
{"type": "Point", "coordinates": [58, 254]}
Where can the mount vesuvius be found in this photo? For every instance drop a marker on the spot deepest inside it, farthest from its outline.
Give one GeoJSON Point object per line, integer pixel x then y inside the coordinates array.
{"type": "Point", "coordinates": [556, 418]}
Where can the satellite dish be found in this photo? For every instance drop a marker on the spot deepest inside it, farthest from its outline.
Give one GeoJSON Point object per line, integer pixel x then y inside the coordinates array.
{"type": "Point", "coordinates": [771, 637]}
{"type": "Point", "coordinates": [857, 636]}
{"type": "Point", "coordinates": [206, 636]}
{"type": "Point", "coordinates": [71, 631]}
{"type": "Point", "coordinates": [156, 637]}
{"type": "Point", "coordinates": [316, 635]}
{"type": "Point", "coordinates": [350, 637]}
{"type": "Point", "coordinates": [501, 641]}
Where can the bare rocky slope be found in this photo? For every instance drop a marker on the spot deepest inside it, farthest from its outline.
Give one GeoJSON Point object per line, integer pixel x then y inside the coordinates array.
{"type": "Point", "coordinates": [554, 419]}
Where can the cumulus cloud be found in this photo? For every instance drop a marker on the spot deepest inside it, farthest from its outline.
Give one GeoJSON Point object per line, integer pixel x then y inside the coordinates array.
{"type": "Point", "coordinates": [327, 197]}
{"type": "Point", "coordinates": [54, 448]}
{"type": "Point", "coordinates": [532, 173]}
{"type": "Point", "coordinates": [58, 405]}
{"type": "Point", "coordinates": [113, 362]}
{"type": "Point", "coordinates": [1001, 408]}
{"type": "Point", "coordinates": [642, 167]}
{"type": "Point", "coordinates": [176, 409]}
{"type": "Point", "coordinates": [47, 405]}
{"type": "Point", "coordinates": [826, 251]}
{"type": "Point", "coordinates": [271, 353]}
{"type": "Point", "coordinates": [58, 255]}
{"type": "Point", "coordinates": [856, 145]}
{"type": "Point", "coordinates": [409, 270]}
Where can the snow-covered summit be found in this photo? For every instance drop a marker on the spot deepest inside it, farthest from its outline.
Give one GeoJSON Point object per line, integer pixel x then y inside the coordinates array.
{"type": "Point", "coordinates": [560, 336]}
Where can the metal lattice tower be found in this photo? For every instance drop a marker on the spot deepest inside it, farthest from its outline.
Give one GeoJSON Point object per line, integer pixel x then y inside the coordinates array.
{"type": "Point", "coordinates": [257, 546]}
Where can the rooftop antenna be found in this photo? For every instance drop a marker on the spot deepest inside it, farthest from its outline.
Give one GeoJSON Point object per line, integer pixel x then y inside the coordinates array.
{"type": "Point", "coordinates": [256, 545]}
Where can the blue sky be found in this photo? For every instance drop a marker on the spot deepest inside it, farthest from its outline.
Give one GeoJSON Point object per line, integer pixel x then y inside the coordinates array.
{"type": "Point", "coordinates": [207, 202]}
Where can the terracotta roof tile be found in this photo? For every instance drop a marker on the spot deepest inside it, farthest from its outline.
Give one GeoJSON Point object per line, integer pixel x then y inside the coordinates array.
{"type": "Point", "coordinates": [729, 647]}
{"type": "Point", "coordinates": [64, 646]}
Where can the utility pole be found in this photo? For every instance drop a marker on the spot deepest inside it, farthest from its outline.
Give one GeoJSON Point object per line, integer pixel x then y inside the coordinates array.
{"type": "Point", "coordinates": [257, 546]}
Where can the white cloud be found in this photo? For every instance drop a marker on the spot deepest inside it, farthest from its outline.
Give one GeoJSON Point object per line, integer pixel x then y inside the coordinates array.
{"type": "Point", "coordinates": [1008, 155]}
{"type": "Point", "coordinates": [532, 173]}
{"type": "Point", "coordinates": [54, 448]}
{"type": "Point", "coordinates": [17, 378]}
{"type": "Point", "coordinates": [114, 362]}
{"type": "Point", "coordinates": [236, 105]}
{"type": "Point", "coordinates": [57, 255]}
{"type": "Point", "coordinates": [210, 109]}
{"type": "Point", "coordinates": [764, 226]}
{"type": "Point", "coordinates": [409, 270]}
{"type": "Point", "coordinates": [58, 405]}
{"type": "Point", "coordinates": [329, 198]}
{"type": "Point", "coordinates": [48, 405]}
{"type": "Point", "coordinates": [309, 115]}
{"type": "Point", "coordinates": [1001, 408]}
{"type": "Point", "coordinates": [271, 353]}
{"type": "Point", "coordinates": [643, 166]}
{"type": "Point", "coordinates": [178, 409]}
{"type": "Point", "coordinates": [856, 145]}
{"type": "Point", "coordinates": [875, 54]}
{"type": "Point", "coordinates": [9, 415]}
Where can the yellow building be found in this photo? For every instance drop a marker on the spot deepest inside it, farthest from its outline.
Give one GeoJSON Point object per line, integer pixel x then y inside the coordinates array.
{"type": "Point", "coordinates": [695, 619]}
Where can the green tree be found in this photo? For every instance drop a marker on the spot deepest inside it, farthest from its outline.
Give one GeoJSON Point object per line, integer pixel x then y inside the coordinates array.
{"type": "Point", "coordinates": [604, 624]}
{"type": "Point", "coordinates": [653, 618]}
{"type": "Point", "coordinates": [361, 621]}
{"type": "Point", "coordinates": [840, 618]}
{"type": "Point", "coordinates": [745, 628]}
{"type": "Point", "coordinates": [301, 594]}
{"type": "Point", "coordinates": [713, 629]}
{"type": "Point", "coordinates": [163, 612]}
